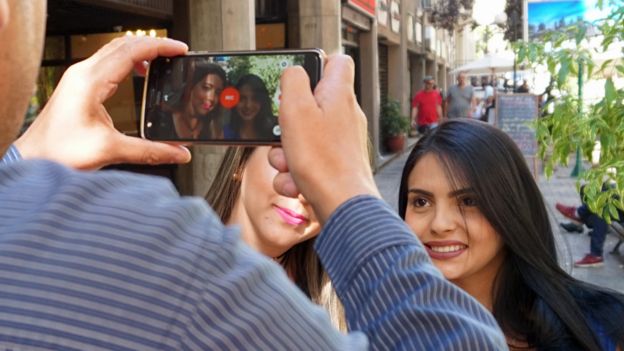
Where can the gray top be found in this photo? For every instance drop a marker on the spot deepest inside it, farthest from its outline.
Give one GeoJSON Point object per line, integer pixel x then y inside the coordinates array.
{"type": "Point", "coordinates": [459, 101]}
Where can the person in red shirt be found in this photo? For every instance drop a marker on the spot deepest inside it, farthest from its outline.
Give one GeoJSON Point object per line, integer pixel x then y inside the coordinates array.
{"type": "Point", "coordinates": [426, 107]}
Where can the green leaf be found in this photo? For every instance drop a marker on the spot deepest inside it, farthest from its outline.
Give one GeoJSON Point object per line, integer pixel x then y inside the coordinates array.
{"type": "Point", "coordinates": [605, 64]}
{"type": "Point", "coordinates": [580, 33]}
{"type": "Point", "coordinates": [564, 70]}
{"type": "Point", "coordinates": [610, 92]}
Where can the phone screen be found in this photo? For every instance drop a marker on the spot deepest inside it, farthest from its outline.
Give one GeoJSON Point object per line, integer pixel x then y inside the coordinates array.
{"type": "Point", "coordinates": [220, 98]}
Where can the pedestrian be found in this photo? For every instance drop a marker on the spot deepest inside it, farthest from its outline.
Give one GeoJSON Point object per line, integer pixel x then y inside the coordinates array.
{"type": "Point", "coordinates": [460, 99]}
{"type": "Point", "coordinates": [111, 260]}
{"type": "Point", "coordinates": [580, 216]}
{"type": "Point", "coordinates": [524, 88]}
{"type": "Point", "coordinates": [426, 107]}
{"type": "Point", "coordinates": [467, 193]}
{"type": "Point", "coordinates": [488, 98]}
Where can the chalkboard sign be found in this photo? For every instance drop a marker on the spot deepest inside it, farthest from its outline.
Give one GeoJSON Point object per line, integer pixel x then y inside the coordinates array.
{"type": "Point", "coordinates": [515, 114]}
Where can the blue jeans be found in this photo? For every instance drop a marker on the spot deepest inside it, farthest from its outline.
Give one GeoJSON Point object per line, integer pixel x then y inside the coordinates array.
{"type": "Point", "coordinates": [598, 225]}
{"type": "Point", "coordinates": [599, 229]}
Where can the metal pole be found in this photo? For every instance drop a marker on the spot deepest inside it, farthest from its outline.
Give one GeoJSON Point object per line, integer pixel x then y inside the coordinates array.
{"type": "Point", "coordinates": [514, 72]}
{"type": "Point", "coordinates": [578, 166]}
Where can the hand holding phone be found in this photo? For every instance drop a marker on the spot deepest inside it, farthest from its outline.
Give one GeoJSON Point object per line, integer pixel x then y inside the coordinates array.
{"type": "Point", "coordinates": [220, 98]}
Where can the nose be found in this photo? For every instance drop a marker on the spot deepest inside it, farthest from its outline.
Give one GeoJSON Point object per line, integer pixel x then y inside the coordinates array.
{"type": "Point", "coordinates": [445, 220]}
{"type": "Point", "coordinates": [211, 95]}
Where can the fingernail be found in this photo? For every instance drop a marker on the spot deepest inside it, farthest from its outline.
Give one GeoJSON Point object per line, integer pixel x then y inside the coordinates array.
{"type": "Point", "coordinates": [183, 157]}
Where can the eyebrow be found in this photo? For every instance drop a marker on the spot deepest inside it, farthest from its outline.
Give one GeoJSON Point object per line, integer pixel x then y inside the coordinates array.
{"type": "Point", "coordinates": [453, 193]}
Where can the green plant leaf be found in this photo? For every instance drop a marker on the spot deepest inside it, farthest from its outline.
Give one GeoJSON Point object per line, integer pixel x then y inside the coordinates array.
{"type": "Point", "coordinates": [610, 92]}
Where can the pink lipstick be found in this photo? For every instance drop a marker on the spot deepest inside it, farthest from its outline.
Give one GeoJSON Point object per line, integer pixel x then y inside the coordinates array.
{"type": "Point", "coordinates": [290, 217]}
{"type": "Point", "coordinates": [445, 250]}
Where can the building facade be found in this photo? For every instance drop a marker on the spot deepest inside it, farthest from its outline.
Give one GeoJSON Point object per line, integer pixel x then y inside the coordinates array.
{"type": "Point", "coordinates": [391, 42]}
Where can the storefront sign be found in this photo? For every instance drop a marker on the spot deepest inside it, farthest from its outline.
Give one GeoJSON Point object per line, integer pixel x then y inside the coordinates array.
{"type": "Point", "coordinates": [382, 12]}
{"type": "Point", "coordinates": [395, 16]}
{"type": "Point", "coordinates": [366, 6]}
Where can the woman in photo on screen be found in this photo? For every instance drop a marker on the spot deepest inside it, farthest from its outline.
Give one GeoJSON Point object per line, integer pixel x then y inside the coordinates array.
{"type": "Point", "coordinates": [196, 114]}
{"type": "Point", "coordinates": [252, 118]}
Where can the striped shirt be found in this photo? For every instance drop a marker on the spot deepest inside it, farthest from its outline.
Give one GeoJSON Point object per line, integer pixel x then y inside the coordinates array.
{"type": "Point", "coordinates": [117, 261]}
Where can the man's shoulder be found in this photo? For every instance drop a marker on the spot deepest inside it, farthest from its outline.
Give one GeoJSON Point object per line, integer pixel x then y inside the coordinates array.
{"type": "Point", "coordinates": [46, 187]}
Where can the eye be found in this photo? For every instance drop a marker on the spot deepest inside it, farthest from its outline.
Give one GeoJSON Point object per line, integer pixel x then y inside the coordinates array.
{"type": "Point", "coordinates": [419, 202]}
{"type": "Point", "coordinates": [468, 201]}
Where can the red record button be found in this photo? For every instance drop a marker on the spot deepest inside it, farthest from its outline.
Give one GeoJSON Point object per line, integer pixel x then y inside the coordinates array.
{"type": "Point", "coordinates": [229, 97]}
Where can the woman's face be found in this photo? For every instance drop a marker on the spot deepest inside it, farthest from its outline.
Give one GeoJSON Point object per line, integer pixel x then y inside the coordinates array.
{"type": "Point", "coordinates": [248, 106]}
{"type": "Point", "coordinates": [270, 223]}
{"type": "Point", "coordinates": [205, 94]}
{"type": "Point", "coordinates": [456, 235]}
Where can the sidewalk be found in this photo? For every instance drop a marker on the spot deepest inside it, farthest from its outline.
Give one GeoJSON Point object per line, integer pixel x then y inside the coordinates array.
{"type": "Point", "coordinates": [571, 247]}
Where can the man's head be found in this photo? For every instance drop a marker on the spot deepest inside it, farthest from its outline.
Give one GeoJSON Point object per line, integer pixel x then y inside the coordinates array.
{"type": "Point", "coordinates": [22, 27]}
{"type": "Point", "coordinates": [461, 78]}
{"type": "Point", "coordinates": [428, 83]}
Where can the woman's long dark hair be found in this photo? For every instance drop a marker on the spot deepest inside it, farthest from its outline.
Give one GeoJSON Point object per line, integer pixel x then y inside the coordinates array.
{"type": "Point", "coordinates": [264, 121]}
{"type": "Point", "coordinates": [534, 300]}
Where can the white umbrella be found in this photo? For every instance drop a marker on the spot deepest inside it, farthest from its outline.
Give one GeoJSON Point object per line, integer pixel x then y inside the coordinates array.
{"type": "Point", "coordinates": [488, 64]}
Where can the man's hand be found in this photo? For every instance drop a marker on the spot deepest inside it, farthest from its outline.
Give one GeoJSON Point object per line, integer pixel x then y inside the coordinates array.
{"type": "Point", "coordinates": [75, 129]}
{"type": "Point", "coordinates": [324, 139]}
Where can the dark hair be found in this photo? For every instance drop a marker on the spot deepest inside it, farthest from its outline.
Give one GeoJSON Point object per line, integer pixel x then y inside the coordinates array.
{"type": "Point", "coordinates": [204, 69]}
{"type": "Point", "coordinates": [534, 300]}
{"type": "Point", "coordinates": [264, 120]}
{"type": "Point", "coordinates": [199, 72]}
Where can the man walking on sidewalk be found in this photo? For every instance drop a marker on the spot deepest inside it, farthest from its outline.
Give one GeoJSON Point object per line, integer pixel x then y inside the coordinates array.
{"type": "Point", "coordinates": [460, 100]}
{"type": "Point", "coordinates": [426, 107]}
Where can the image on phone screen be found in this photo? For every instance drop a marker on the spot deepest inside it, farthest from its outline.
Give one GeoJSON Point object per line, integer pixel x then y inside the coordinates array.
{"type": "Point", "coordinates": [219, 98]}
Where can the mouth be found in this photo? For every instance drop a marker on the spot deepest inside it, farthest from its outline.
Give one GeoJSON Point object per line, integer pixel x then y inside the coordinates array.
{"type": "Point", "coordinates": [207, 106]}
{"type": "Point", "coordinates": [289, 216]}
{"type": "Point", "coordinates": [441, 251]}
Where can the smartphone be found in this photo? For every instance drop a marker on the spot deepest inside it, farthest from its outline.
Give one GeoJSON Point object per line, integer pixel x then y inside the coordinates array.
{"type": "Point", "coordinates": [227, 98]}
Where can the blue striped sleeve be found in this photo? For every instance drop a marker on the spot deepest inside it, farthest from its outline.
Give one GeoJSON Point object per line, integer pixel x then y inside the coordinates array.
{"type": "Point", "coordinates": [390, 289]}
{"type": "Point", "coordinates": [10, 156]}
{"type": "Point", "coordinates": [116, 261]}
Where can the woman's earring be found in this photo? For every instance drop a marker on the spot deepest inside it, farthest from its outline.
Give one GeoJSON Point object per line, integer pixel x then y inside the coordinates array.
{"type": "Point", "coordinates": [236, 177]}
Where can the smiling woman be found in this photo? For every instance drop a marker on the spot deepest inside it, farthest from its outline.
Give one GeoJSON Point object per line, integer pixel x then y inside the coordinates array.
{"type": "Point", "coordinates": [279, 227]}
{"type": "Point", "coordinates": [468, 194]}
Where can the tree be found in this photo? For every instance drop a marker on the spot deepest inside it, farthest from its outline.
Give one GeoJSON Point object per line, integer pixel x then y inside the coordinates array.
{"type": "Point", "coordinates": [573, 124]}
{"type": "Point", "coordinates": [513, 29]}
{"type": "Point", "coordinates": [447, 14]}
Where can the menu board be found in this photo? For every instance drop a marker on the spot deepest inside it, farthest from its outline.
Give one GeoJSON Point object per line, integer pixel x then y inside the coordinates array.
{"type": "Point", "coordinates": [515, 115]}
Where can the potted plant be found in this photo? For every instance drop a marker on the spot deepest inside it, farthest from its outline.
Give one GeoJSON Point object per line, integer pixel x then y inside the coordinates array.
{"type": "Point", "coordinates": [394, 126]}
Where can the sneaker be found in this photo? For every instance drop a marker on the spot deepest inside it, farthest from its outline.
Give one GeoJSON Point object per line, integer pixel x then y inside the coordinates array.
{"type": "Point", "coordinates": [590, 261]}
{"type": "Point", "coordinates": [572, 227]}
{"type": "Point", "coordinates": [568, 211]}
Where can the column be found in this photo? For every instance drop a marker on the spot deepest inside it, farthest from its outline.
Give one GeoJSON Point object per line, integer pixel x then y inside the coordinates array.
{"type": "Point", "coordinates": [319, 25]}
{"type": "Point", "coordinates": [213, 25]}
{"type": "Point", "coordinates": [369, 61]}
{"type": "Point", "coordinates": [398, 80]}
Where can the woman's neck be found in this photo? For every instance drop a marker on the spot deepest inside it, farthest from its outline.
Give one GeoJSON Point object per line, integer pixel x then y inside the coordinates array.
{"type": "Point", "coordinates": [187, 126]}
{"type": "Point", "coordinates": [247, 130]}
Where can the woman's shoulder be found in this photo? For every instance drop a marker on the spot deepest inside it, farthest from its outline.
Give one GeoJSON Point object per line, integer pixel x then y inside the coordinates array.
{"type": "Point", "coordinates": [229, 132]}
{"type": "Point", "coordinates": [604, 313]}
